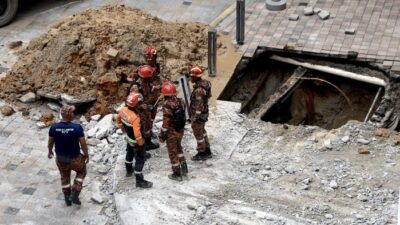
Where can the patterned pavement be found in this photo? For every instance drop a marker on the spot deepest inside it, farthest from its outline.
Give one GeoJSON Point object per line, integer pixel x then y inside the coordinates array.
{"type": "Point", "coordinates": [376, 22]}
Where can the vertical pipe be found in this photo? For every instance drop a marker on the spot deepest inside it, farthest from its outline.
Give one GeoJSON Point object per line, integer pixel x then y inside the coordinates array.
{"type": "Point", "coordinates": [373, 104]}
{"type": "Point", "coordinates": [240, 18]}
{"type": "Point", "coordinates": [212, 52]}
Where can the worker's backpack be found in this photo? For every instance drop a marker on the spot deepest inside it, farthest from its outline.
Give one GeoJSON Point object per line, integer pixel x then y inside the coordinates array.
{"type": "Point", "coordinates": [178, 116]}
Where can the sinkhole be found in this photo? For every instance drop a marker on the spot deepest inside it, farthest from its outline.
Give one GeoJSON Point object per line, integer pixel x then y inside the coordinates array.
{"type": "Point", "coordinates": [305, 90]}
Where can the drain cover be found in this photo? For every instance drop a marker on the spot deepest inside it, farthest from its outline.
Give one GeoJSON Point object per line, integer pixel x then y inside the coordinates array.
{"type": "Point", "coordinates": [276, 5]}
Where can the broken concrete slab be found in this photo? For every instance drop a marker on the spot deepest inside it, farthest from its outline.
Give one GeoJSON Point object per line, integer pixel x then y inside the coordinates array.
{"type": "Point", "coordinates": [350, 31]}
{"type": "Point", "coordinates": [308, 11]}
{"type": "Point", "coordinates": [71, 100]}
{"type": "Point", "coordinates": [112, 52]}
{"type": "Point", "coordinates": [294, 17]}
{"type": "Point", "coordinates": [284, 91]}
{"type": "Point", "coordinates": [28, 98]}
{"type": "Point", "coordinates": [324, 15]}
{"type": "Point", "coordinates": [54, 106]}
{"type": "Point", "coordinates": [317, 10]}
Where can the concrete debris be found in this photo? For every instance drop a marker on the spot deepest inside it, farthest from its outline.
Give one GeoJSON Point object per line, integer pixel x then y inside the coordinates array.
{"type": "Point", "coordinates": [363, 141]}
{"type": "Point", "coordinates": [41, 125]}
{"type": "Point", "coordinates": [54, 106]}
{"type": "Point", "coordinates": [328, 216]}
{"type": "Point", "coordinates": [363, 150]}
{"type": "Point", "coordinates": [294, 17]}
{"type": "Point", "coordinates": [83, 120]}
{"type": "Point", "coordinates": [97, 198]}
{"type": "Point", "coordinates": [328, 144]}
{"type": "Point", "coordinates": [317, 10]}
{"type": "Point", "coordinates": [112, 52]}
{"type": "Point", "coordinates": [345, 139]}
{"type": "Point", "coordinates": [104, 127]}
{"type": "Point", "coordinates": [308, 11]}
{"type": "Point", "coordinates": [324, 15]}
{"type": "Point", "coordinates": [28, 98]}
{"type": "Point", "coordinates": [333, 184]}
{"type": "Point", "coordinates": [95, 117]}
{"type": "Point", "coordinates": [92, 132]}
{"type": "Point", "coordinates": [6, 110]}
{"type": "Point", "coordinates": [350, 31]}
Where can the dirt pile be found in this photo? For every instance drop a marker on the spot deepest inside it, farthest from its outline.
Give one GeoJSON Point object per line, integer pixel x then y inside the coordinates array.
{"type": "Point", "coordinates": [72, 57]}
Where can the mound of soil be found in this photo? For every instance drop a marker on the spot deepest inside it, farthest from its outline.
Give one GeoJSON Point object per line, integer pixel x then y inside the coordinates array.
{"type": "Point", "coordinates": [72, 57]}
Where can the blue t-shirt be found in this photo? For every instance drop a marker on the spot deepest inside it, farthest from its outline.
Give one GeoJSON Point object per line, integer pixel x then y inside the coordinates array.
{"type": "Point", "coordinates": [66, 137]}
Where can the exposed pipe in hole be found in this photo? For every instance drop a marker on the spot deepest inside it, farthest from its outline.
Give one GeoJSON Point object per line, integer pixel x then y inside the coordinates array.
{"type": "Point", "coordinates": [333, 71]}
{"type": "Point", "coordinates": [336, 87]}
{"type": "Point", "coordinates": [373, 104]}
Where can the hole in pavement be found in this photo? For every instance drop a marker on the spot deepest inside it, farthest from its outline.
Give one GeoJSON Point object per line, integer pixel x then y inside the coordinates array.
{"type": "Point", "coordinates": [280, 92]}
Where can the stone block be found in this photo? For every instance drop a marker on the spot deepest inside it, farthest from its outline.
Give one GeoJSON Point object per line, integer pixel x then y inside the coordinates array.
{"type": "Point", "coordinates": [294, 17]}
{"type": "Point", "coordinates": [350, 31]}
{"type": "Point", "coordinates": [28, 98]}
{"type": "Point", "coordinates": [324, 15]}
{"type": "Point", "coordinates": [308, 11]}
{"type": "Point", "coordinates": [112, 52]}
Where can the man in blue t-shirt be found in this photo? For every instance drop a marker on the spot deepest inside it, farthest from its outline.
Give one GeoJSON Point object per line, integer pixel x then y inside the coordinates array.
{"type": "Point", "coordinates": [69, 139]}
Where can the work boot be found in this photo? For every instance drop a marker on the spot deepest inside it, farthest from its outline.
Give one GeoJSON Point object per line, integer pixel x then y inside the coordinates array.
{"type": "Point", "coordinates": [208, 153]}
{"type": "Point", "coordinates": [74, 197]}
{"type": "Point", "coordinates": [68, 202]}
{"type": "Point", "coordinates": [150, 145]}
{"type": "Point", "coordinates": [200, 156]}
{"type": "Point", "coordinates": [147, 155]}
{"type": "Point", "coordinates": [142, 183]}
{"type": "Point", "coordinates": [129, 169]}
{"type": "Point", "coordinates": [184, 169]}
{"type": "Point", "coordinates": [175, 176]}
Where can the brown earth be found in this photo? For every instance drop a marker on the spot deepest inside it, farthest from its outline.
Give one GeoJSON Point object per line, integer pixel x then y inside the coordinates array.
{"type": "Point", "coordinates": [71, 58]}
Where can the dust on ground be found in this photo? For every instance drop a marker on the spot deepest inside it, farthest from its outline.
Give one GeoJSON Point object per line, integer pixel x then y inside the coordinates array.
{"type": "Point", "coordinates": [72, 57]}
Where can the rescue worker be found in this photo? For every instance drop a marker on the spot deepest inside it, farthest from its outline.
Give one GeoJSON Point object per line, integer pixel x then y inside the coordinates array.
{"type": "Point", "coordinates": [199, 111]}
{"type": "Point", "coordinates": [129, 122]}
{"type": "Point", "coordinates": [69, 139]}
{"type": "Point", "coordinates": [173, 126]}
{"type": "Point", "coordinates": [150, 56]}
{"type": "Point", "coordinates": [149, 86]}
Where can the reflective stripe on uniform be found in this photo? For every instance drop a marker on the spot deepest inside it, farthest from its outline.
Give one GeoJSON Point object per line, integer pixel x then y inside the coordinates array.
{"type": "Point", "coordinates": [164, 129]}
{"type": "Point", "coordinates": [175, 164]}
{"type": "Point", "coordinates": [138, 172]}
{"type": "Point", "coordinates": [128, 162]}
{"type": "Point", "coordinates": [126, 123]}
{"type": "Point", "coordinates": [66, 186]}
{"type": "Point", "coordinates": [180, 155]}
{"type": "Point", "coordinates": [202, 140]}
{"type": "Point", "coordinates": [198, 112]}
{"type": "Point", "coordinates": [79, 180]}
{"type": "Point", "coordinates": [130, 140]}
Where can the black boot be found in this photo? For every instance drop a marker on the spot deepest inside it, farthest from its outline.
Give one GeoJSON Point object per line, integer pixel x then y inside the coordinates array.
{"type": "Point", "coordinates": [129, 169]}
{"type": "Point", "coordinates": [68, 202]}
{"type": "Point", "coordinates": [208, 153]}
{"type": "Point", "coordinates": [184, 169]}
{"type": "Point", "coordinates": [74, 197]}
{"type": "Point", "coordinates": [200, 156]}
{"type": "Point", "coordinates": [150, 144]}
{"type": "Point", "coordinates": [142, 183]}
{"type": "Point", "coordinates": [148, 155]}
{"type": "Point", "coordinates": [175, 176]}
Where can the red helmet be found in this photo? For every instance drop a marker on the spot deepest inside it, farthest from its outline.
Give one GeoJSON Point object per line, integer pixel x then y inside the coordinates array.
{"type": "Point", "coordinates": [150, 52]}
{"type": "Point", "coordinates": [168, 89]}
{"type": "Point", "coordinates": [196, 71]}
{"type": "Point", "coordinates": [133, 99]}
{"type": "Point", "coordinates": [146, 71]}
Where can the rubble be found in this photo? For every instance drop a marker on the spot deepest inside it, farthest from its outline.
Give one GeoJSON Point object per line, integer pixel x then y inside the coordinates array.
{"type": "Point", "coordinates": [6, 110]}
{"type": "Point", "coordinates": [324, 15]}
{"type": "Point", "coordinates": [363, 150]}
{"type": "Point", "coordinates": [72, 56]}
{"type": "Point", "coordinates": [28, 98]}
{"type": "Point", "coordinates": [308, 11]}
{"type": "Point", "coordinates": [294, 17]}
